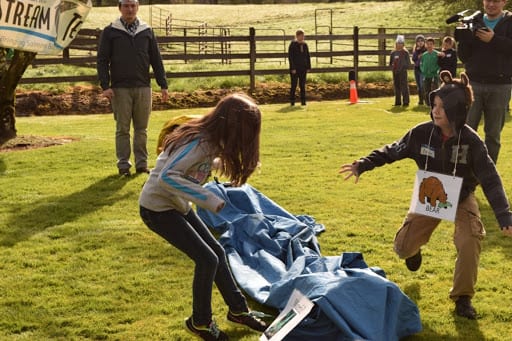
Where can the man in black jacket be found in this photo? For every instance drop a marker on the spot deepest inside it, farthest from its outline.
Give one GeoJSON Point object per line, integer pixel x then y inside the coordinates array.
{"type": "Point", "coordinates": [487, 58]}
{"type": "Point", "coordinates": [127, 48]}
{"type": "Point", "coordinates": [300, 64]}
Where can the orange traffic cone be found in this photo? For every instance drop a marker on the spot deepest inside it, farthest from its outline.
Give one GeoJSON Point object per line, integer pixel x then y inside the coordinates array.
{"type": "Point", "coordinates": [353, 92]}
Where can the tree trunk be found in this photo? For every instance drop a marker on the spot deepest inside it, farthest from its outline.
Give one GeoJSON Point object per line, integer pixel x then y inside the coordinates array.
{"type": "Point", "coordinates": [11, 70]}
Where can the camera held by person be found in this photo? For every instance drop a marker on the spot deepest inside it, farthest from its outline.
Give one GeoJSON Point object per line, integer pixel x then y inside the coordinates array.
{"type": "Point", "coordinates": [469, 24]}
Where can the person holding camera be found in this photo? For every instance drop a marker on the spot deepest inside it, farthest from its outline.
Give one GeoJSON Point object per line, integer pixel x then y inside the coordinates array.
{"type": "Point", "coordinates": [486, 52]}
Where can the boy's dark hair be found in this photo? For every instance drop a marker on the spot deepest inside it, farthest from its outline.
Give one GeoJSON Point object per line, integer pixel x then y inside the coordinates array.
{"type": "Point", "coordinates": [430, 39]}
{"type": "Point", "coordinates": [457, 97]}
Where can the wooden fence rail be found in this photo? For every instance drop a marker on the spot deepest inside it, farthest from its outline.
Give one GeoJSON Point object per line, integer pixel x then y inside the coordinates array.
{"type": "Point", "coordinates": [242, 50]}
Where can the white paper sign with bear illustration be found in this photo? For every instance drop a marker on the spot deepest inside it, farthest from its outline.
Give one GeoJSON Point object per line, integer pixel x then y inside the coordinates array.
{"type": "Point", "coordinates": [436, 195]}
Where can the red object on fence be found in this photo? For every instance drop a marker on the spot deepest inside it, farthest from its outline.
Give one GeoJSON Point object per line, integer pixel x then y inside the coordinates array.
{"type": "Point", "coordinates": [353, 92]}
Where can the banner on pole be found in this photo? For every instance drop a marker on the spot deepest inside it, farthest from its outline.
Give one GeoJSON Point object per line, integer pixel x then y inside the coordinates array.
{"type": "Point", "coordinates": [42, 26]}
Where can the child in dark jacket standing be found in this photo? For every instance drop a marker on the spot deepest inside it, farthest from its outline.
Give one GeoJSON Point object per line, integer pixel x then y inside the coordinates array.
{"type": "Point", "coordinates": [447, 145]}
{"type": "Point", "coordinates": [447, 58]}
{"type": "Point", "coordinates": [400, 61]}
{"type": "Point", "coordinates": [226, 139]}
{"type": "Point", "coordinates": [300, 64]}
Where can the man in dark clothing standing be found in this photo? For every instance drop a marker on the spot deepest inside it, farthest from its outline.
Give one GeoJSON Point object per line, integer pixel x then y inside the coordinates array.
{"type": "Point", "coordinates": [127, 48]}
{"type": "Point", "coordinates": [487, 58]}
{"type": "Point", "coordinates": [300, 64]}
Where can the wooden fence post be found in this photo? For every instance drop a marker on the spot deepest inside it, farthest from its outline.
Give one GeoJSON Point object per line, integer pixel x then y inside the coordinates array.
{"type": "Point", "coordinates": [252, 59]}
{"type": "Point", "coordinates": [356, 51]}
{"type": "Point", "coordinates": [185, 45]}
{"type": "Point", "coordinates": [382, 45]}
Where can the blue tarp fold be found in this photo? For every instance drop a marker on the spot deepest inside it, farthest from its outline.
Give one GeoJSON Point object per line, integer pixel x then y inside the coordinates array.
{"type": "Point", "coordinates": [271, 252]}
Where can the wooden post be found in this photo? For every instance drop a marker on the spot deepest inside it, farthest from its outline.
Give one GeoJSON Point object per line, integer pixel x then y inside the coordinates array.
{"type": "Point", "coordinates": [185, 44]}
{"type": "Point", "coordinates": [252, 59]}
{"type": "Point", "coordinates": [382, 45]}
{"type": "Point", "coordinates": [65, 54]}
{"type": "Point", "coordinates": [356, 51]}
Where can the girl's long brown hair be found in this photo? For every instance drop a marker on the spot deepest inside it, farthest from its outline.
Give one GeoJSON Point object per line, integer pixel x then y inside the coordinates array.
{"type": "Point", "coordinates": [232, 131]}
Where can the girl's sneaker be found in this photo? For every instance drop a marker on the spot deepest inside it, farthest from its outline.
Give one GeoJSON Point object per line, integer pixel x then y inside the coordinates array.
{"type": "Point", "coordinates": [249, 319]}
{"type": "Point", "coordinates": [208, 333]}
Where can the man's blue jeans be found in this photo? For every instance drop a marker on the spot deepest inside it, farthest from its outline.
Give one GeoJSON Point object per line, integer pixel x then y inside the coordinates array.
{"type": "Point", "coordinates": [190, 235]}
{"type": "Point", "coordinates": [491, 101]}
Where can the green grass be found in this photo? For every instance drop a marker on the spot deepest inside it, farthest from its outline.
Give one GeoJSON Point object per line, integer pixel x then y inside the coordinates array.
{"type": "Point", "coordinates": [78, 263]}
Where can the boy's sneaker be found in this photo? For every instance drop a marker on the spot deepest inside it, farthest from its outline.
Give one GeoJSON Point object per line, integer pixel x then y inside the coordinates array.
{"type": "Point", "coordinates": [413, 263]}
{"type": "Point", "coordinates": [209, 333]}
{"type": "Point", "coordinates": [464, 308]}
{"type": "Point", "coordinates": [249, 319]}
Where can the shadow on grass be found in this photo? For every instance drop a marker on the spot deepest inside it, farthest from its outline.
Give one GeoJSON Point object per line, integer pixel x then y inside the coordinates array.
{"type": "Point", "coordinates": [494, 238]}
{"type": "Point", "coordinates": [422, 109]}
{"type": "Point", "coordinates": [3, 168]}
{"type": "Point", "coordinates": [396, 109]}
{"type": "Point", "coordinates": [466, 329]}
{"type": "Point", "coordinates": [29, 220]}
{"type": "Point", "coordinates": [291, 108]}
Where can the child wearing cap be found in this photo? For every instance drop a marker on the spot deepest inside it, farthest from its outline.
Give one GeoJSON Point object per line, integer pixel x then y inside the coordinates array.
{"type": "Point", "coordinates": [446, 144]}
{"type": "Point", "coordinates": [418, 50]}
{"type": "Point", "coordinates": [399, 62]}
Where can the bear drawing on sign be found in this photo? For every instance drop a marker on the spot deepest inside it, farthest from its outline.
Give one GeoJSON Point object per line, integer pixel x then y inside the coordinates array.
{"type": "Point", "coordinates": [433, 189]}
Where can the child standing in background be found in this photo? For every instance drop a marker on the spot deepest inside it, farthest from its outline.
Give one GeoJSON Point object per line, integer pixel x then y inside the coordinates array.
{"type": "Point", "coordinates": [419, 49]}
{"type": "Point", "coordinates": [300, 64]}
{"type": "Point", "coordinates": [429, 69]}
{"type": "Point", "coordinates": [400, 61]}
{"type": "Point", "coordinates": [447, 58]}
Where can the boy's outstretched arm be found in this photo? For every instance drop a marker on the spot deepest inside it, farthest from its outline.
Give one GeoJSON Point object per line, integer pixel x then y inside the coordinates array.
{"type": "Point", "coordinates": [351, 169]}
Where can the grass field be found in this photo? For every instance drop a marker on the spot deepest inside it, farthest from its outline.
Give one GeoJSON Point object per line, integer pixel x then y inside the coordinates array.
{"type": "Point", "coordinates": [78, 264]}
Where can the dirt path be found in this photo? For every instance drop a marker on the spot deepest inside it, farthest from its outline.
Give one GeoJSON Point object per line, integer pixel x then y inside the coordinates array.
{"type": "Point", "coordinates": [89, 100]}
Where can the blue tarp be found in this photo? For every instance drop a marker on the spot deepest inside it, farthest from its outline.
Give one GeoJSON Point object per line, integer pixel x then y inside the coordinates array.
{"type": "Point", "coordinates": [271, 252]}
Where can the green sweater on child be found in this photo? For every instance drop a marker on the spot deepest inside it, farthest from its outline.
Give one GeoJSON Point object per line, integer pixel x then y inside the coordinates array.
{"type": "Point", "coordinates": [428, 65]}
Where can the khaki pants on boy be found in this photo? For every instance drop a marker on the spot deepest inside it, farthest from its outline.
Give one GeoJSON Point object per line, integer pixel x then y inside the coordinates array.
{"type": "Point", "coordinates": [469, 232]}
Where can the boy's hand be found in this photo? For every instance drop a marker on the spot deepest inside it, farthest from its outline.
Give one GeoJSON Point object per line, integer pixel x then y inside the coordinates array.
{"type": "Point", "coordinates": [165, 95]}
{"type": "Point", "coordinates": [351, 169]}
{"type": "Point", "coordinates": [507, 231]}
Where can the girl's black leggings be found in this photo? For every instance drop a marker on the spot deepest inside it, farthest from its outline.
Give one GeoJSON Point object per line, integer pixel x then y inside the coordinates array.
{"type": "Point", "coordinates": [189, 234]}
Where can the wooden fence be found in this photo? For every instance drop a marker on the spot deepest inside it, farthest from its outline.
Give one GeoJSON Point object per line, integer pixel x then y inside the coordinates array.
{"type": "Point", "coordinates": [246, 55]}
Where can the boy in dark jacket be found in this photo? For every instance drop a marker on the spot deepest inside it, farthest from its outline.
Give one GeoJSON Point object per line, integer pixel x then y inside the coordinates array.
{"type": "Point", "coordinates": [447, 58]}
{"type": "Point", "coordinates": [300, 64]}
{"type": "Point", "coordinates": [447, 145]}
